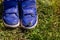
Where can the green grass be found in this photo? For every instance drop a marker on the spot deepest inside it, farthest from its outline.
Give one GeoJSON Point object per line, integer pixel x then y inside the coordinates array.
{"type": "Point", "coordinates": [48, 27]}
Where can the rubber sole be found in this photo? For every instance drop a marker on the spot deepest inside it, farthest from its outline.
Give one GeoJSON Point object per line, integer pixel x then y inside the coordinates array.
{"type": "Point", "coordinates": [11, 26]}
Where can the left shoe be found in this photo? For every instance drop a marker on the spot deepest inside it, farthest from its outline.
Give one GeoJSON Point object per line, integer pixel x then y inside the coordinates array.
{"type": "Point", "coordinates": [29, 16]}
{"type": "Point", "coordinates": [10, 14]}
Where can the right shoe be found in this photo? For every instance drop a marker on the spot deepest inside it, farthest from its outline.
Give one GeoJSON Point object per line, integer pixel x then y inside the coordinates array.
{"type": "Point", "coordinates": [29, 16]}
{"type": "Point", "coordinates": [10, 14]}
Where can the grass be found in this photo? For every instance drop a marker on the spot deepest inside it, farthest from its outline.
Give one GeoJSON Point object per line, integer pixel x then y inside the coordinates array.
{"type": "Point", "coordinates": [48, 27]}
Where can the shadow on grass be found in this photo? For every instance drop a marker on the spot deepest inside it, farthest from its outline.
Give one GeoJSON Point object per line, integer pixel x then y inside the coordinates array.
{"type": "Point", "coordinates": [1, 10]}
{"type": "Point", "coordinates": [23, 30]}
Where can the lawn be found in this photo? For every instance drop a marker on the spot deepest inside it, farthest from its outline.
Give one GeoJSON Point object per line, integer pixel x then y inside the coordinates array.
{"type": "Point", "coordinates": [48, 27]}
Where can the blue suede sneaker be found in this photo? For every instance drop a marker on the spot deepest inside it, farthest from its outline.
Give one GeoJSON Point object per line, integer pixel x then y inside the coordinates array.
{"type": "Point", "coordinates": [10, 15]}
{"type": "Point", "coordinates": [29, 16]}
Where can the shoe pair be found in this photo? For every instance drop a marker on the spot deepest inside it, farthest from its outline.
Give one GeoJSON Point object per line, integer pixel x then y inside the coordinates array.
{"type": "Point", "coordinates": [27, 9]}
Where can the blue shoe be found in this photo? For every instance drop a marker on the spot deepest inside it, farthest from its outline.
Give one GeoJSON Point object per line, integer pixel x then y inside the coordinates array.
{"type": "Point", "coordinates": [29, 16]}
{"type": "Point", "coordinates": [10, 15]}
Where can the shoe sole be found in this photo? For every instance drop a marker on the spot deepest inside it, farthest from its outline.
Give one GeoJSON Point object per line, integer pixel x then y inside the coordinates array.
{"type": "Point", "coordinates": [29, 27]}
{"type": "Point", "coordinates": [11, 26]}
